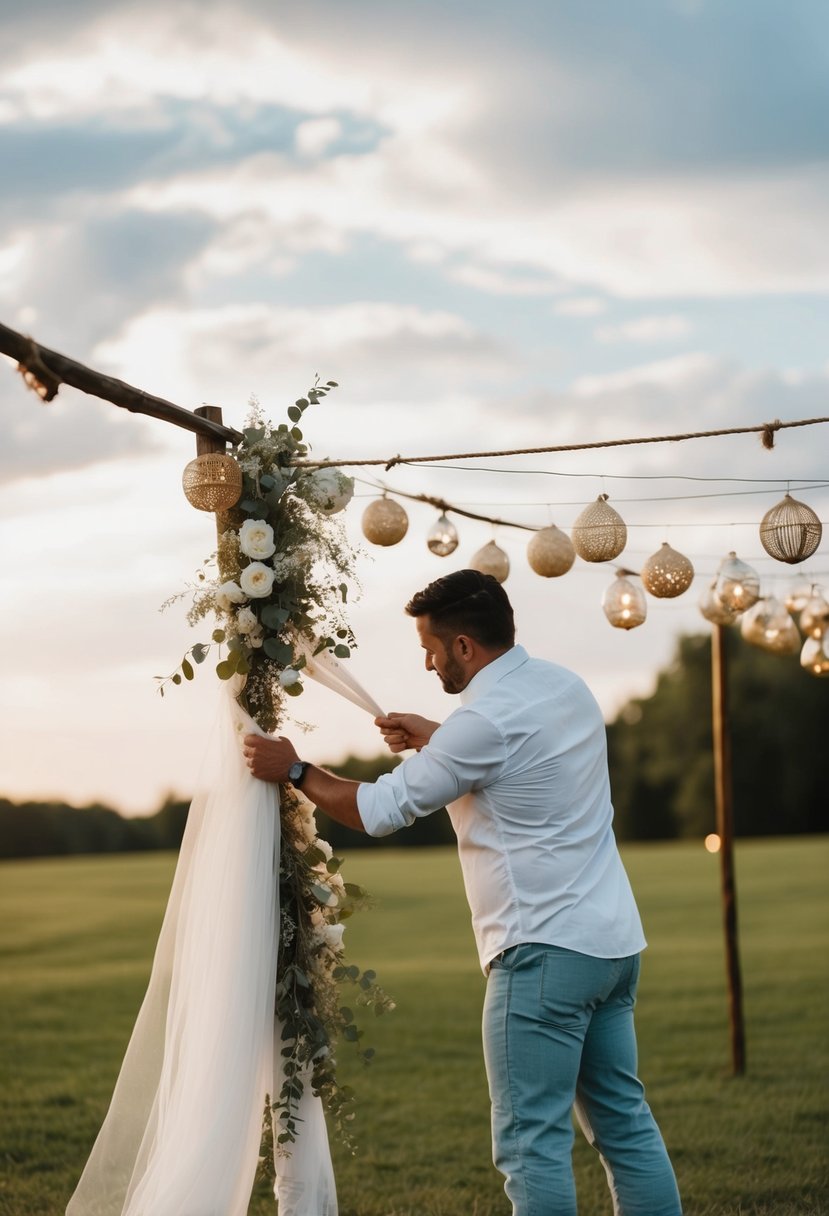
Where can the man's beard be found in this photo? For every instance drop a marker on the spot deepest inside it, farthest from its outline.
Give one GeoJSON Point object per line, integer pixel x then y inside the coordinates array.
{"type": "Point", "coordinates": [453, 677]}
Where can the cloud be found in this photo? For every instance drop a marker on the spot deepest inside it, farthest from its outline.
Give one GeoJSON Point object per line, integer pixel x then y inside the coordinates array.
{"type": "Point", "coordinates": [580, 306]}
{"type": "Point", "coordinates": [646, 329]}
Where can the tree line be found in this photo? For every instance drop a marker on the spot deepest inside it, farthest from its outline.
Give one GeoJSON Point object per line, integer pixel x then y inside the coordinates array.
{"type": "Point", "coordinates": [661, 766]}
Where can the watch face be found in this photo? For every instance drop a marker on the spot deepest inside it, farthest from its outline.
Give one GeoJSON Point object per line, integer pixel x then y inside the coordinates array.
{"type": "Point", "coordinates": [296, 771]}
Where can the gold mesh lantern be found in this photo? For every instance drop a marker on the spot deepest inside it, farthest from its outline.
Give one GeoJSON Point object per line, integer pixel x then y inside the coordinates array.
{"type": "Point", "coordinates": [599, 533]}
{"type": "Point", "coordinates": [667, 573]}
{"type": "Point", "coordinates": [550, 552]}
{"type": "Point", "coordinates": [491, 560]}
{"type": "Point", "coordinates": [790, 531]}
{"type": "Point", "coordinates": [212, 482]}
{"type": "Point", "coordinates": [384, 522]}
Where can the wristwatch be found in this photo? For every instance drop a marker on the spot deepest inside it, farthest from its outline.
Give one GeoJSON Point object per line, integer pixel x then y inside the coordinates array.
{"type": "Point", "coordinates": [296, 773]}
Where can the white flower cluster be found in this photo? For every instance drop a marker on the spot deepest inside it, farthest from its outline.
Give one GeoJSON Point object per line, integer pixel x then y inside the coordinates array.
{"type": "Point", "coordinates": [327, 490]}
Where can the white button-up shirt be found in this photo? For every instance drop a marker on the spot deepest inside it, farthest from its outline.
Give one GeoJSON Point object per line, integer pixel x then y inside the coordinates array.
{"type": "Point", "coordinates": [522, 768]}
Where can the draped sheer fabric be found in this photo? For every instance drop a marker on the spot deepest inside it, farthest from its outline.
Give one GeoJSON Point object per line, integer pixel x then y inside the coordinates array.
{"type": "Point", "coordinates": [183, 1130]}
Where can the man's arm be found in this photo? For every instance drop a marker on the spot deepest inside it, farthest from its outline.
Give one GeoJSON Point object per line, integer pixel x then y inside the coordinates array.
{"type": "Point", "coordinates": [269, 760]}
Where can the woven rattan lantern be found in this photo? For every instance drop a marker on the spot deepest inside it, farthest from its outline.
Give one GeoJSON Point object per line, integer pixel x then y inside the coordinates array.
{"type": "Point", "coordinates": [384, 522]}
{"type": "Point", "coordinates": [599, 533]}
{"type": "Point", "coordinates": [814, 619]}
{"type": "Point", "coordinates": [491, 560]}
{"type": "Point", "coordinates": [738, 584]}
{"type": "Point", "coordinates": [814, 657]}
{"type": "Point", "coordinates": [624, 603]}
{"type": "Point", "coordinates": [714, 610]}
{"type": "Point", "coordinates": [442, 537]}
{"type": "Point", "coordinates": [212, 482]}
{"type": "Point", "coordinates": [550, 552]}
{"type": "Point", "coordinates": [768, 625]}
{"type": "Point", "coordinates": [790, 531]}
{"type": "Point", "coordinates": [667, 573]}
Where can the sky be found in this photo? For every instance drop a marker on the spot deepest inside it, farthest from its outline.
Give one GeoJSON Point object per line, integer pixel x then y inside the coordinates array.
{"type": "Point", "coordinates": [495, 226]}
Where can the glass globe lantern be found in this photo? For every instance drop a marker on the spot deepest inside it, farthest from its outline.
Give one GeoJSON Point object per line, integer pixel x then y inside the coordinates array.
{"type": "Point", "coordinates": [814, 619]}
{"type": "Point", "coordinates": [738, 584]}
{"type": "Point", "coordinates": [768, 625]}
{"type": "Point", "coordinates": [623, 603]}
{"type": "Point", "coordinates": [442, 537]}
{"type": "Point", "coordinates": [814, 657]}
{"type": "Point", "coordinates": [714, 610]}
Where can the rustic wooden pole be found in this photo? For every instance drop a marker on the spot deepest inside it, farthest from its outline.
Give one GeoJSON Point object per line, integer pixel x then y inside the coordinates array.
{"type": "Point", "coordinates": [725, 830]}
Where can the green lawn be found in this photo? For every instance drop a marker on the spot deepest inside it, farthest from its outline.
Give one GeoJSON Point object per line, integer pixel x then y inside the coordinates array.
{"type": "Point", "coordinates": [76, 938]}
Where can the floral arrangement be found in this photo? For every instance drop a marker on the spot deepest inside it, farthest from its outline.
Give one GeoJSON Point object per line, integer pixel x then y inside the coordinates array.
{"type": "Point", "coordinates": [278, 590]}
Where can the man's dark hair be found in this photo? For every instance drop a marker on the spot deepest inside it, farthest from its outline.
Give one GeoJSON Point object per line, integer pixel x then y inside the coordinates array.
{"type": "Point", "coordinates": [469, 602]}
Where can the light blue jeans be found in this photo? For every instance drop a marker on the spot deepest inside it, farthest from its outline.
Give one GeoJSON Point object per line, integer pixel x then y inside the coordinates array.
{"type": "Point", "coordinates": [558, 1035]}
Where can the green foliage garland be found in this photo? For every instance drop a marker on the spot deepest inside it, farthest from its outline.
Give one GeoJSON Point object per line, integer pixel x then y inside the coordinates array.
{"type": "Point", "coordinates": [278, 587]}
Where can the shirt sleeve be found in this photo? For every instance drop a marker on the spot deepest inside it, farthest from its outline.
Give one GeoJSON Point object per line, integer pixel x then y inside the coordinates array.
{"type": "Point", "coordinates": [467, 752]}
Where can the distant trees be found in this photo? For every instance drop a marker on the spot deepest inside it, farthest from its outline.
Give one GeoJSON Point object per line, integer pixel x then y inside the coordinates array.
{"type": "Point", "coordinates": [660, 747]}
{"type": "Point", "coordinates": [661, 767]}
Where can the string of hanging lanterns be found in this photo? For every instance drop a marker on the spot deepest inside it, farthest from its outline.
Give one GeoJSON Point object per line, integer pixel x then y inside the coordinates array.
{"type": "Point", "coordinates": [790, 532]}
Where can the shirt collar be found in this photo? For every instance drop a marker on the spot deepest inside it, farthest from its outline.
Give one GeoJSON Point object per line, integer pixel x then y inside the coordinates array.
{"type": "Point", "coordinates": [489, 676]}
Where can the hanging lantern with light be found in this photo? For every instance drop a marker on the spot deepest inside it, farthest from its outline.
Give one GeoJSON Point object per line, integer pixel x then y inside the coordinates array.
{"type": "Point", "coordinates": [623, 603]}
{"type": "Point", "coordinates": [767, 624]}
{"type": "Point", "coordinates": [738, 584]}
{"type": "Point", "coordinates": [667, 573]}
{"type": "Point", "coordinates": [790, 531]}
{"type": "Point", "coordinates": [384, 522]}
{"type": "Point", "coordinates": [599, 533]}
{"type": "Point", "coordinates": [798, 597]}
{"type": "Point", "coordinates": [212, 482]}
{"type": "Point", "coordinates": [814, 657]}
{"type": "Point", "coordinates": [814, 619]}
{"type": "Point", "coordinates": [491, 560]}
{"type": "Point", "coordinates": [550, 552]}
{"type": "Point", "coordinates": [442, 537]}
{"type": "Point", "coordinates": [714, 610]}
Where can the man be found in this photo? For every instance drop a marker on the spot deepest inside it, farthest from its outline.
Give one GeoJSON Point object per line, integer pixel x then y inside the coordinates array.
{"type": "Point", "coordinates": [522, 766]}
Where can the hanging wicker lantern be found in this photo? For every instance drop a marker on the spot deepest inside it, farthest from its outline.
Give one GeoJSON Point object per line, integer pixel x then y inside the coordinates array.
{"type": "Point", "coordinates": [667, 573]}
{"type": "Point", "coordinates": [599, 533]}
{"type": "Point", "coordinates": [713, 609]}
{"type": "Point", "coordinates": [491, 560]}
{"type": "Point", "coordinates": [624, 603]}
{"type": "Point", "coordinates": [814, 657]}
{"type": "Point", "coordinates": [768, 625]}
{"type": "Point", "coordinates": [550, 552]}
{"type": "Point", "coordinates": [738, 585]}
{"type": "Point", "coordinates": [814, 619]}
{"type": "Point", "coordinates": [442, 537]}
{"type": "Point", "coordinates": [790, 531]}
{"type": "Point", "coordinates": [212, 482]}
{"type": "Point", "coordinates": [384, 522]}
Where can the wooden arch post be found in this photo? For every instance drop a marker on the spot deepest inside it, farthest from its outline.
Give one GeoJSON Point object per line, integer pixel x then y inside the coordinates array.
{"type": "Point", "coordinates": [725, 830]}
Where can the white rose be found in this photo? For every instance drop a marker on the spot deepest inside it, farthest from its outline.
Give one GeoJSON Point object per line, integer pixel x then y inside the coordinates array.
{"type": "Point", "coordinates": [256, 637]}
{"type": "Point", "coordinates": [257, 580]}
{"type": "Point", "coordinates": [246, 621]}
{"type": "Point", "coordinates": [332, 935]}
{"type": "Point", "coordinates": [228, 594]}
{"type": "Point", "coordinates": [324, 848]}
{"type": "Point", "coordinates": [288, 677]}
{"type": "Point", "coordinates": [329, 490]}
{"type": "Point", "coordinates": [256, 539]}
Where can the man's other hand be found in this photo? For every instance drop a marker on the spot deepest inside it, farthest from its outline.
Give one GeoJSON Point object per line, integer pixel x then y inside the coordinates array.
{"type": "Point", "coordinates": [269, 759]}
{"type": "Point", "coordinates": [403, 731]}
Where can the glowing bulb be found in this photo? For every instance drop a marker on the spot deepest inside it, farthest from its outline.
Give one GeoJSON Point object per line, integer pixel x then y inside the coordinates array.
{"type": "Point", "coordinates": [712, 843]}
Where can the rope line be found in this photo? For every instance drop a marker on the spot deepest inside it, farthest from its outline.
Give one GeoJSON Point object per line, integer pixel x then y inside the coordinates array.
{"type": "Point", "coordinates": [766, 430]}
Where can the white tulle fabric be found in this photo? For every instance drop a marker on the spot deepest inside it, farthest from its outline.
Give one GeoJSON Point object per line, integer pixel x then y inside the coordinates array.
{"type": "Point", "coordinates": [183, 1131]}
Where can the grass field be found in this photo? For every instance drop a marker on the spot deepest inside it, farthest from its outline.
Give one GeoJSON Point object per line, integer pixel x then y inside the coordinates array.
{"type": "Point", "coordinates": [76, 939]}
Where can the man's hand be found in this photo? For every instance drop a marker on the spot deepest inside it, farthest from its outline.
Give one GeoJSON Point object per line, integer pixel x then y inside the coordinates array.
{"type": "Point", "coordinates": [403, 731]}
{"type": "Point", "coordinates": [269, 759]}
